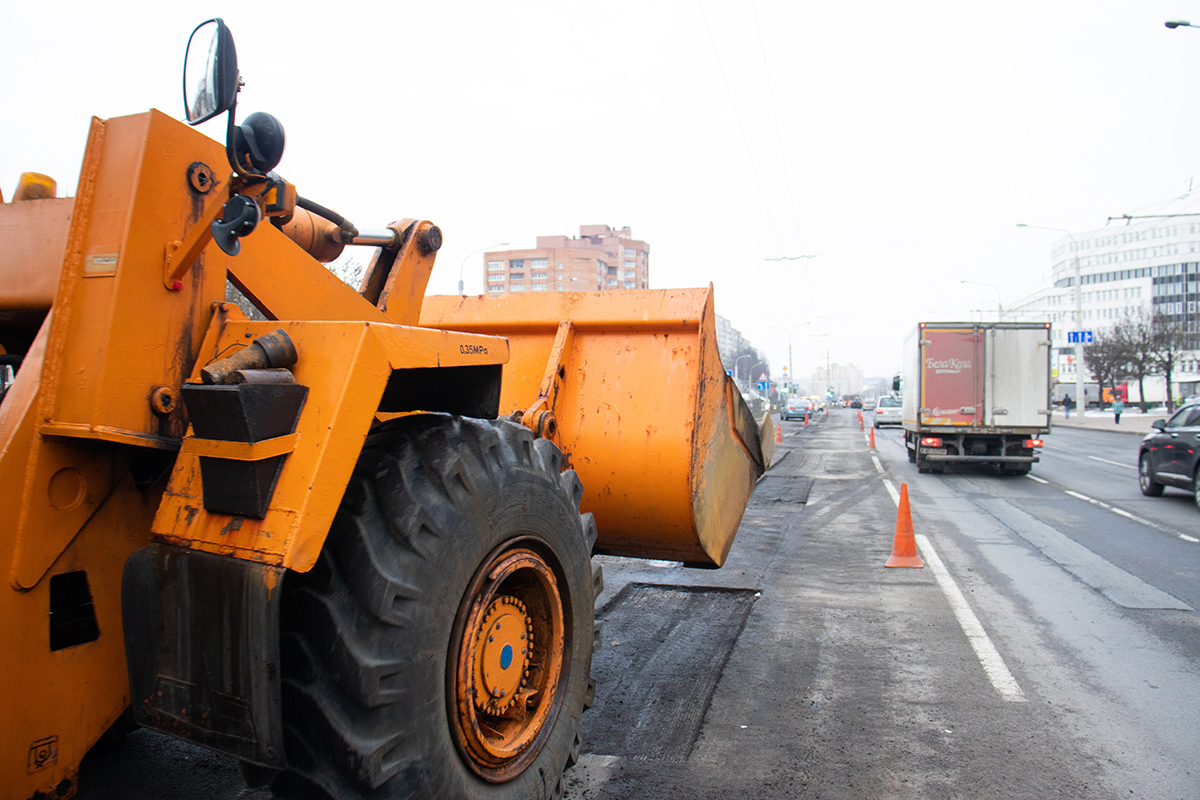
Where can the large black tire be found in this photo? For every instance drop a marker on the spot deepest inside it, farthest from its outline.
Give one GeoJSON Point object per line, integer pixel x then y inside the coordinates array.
{"type": "Point", "coordinates": [448, 523]}
{"type": "Point", "coordinates": [1149, 486]}
{"type": "Point", "coordinates": [1196, 488]}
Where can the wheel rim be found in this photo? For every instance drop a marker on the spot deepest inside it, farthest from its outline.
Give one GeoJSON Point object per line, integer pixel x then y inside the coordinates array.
{"type": "Point", "coordinates": [1144, 474]}
{"type": "Point", "coordinates": [508, 662]}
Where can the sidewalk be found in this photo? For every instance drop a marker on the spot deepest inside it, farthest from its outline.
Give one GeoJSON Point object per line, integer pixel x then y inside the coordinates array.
{"type": "Point", "coordinates": [1132, 421]}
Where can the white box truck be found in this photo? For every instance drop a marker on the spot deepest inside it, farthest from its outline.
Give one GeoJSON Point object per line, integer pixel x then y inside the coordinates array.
{"type": "Point", "coordinates": [976, 392]}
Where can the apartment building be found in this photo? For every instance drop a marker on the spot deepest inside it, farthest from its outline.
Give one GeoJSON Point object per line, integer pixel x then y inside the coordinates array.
{"type": "Point", "coordinates": [601, 258]}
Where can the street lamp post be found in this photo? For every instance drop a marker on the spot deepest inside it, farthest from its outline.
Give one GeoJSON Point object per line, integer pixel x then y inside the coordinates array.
{"type": "Point", "coordinates": [788, 332]}
{"type": "Point", "coordinates": [759, 364]}
{"type": "Point", "coordinates": [1179, 23]}
{"type": "Point", "coordinates": [1079, 397]}
{"type": "Point", "coordinates": [464, 263]}
{"type": "Point", "coordinates": [737, 361]}
{"type": "Point", "coordinates": [999, 304]}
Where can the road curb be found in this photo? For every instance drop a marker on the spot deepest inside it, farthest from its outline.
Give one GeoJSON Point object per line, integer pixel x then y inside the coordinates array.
{"type": "Point", "coordinates": [1104, 429]}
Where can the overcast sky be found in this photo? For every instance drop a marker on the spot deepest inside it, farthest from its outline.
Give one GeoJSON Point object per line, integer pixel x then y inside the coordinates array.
{"type": "Point", "coordinates": [886, 150]}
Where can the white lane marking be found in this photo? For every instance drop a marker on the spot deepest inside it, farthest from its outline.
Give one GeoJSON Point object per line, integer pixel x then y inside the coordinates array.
{"type": "Point", "coordinates": [1137, 519]}
{"type": "Point", "coordinates": [878, 466]}
{"type": "Point", "coordinates": [1087, 499]}
{"type": "Point", "coordinates": [989, 657]}
{"type": "Point", "coordinates": [1114, 463]}
{"type": "Point", "coordinates": [1036, 478]}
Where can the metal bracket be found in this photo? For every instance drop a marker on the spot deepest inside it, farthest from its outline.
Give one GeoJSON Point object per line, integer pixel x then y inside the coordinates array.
{"type": "Point", "coordinates": [178, 256]}
{"type": "Point", "coordinates": [540, 416]}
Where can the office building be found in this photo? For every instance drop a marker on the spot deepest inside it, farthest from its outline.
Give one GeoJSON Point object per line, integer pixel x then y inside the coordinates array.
{"type": "Point", "coordinates": [1125, 271]}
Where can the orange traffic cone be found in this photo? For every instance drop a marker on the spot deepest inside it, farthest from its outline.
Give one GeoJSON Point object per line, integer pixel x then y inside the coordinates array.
{"type": "Point", "coordinates": [872, 437]}
{"type": "Point", "coordinates": [904, 546]}
{"type": "Point", "coordinates": [860, 423]}
{"type": "Point", "coordinates": [779, 433]}
{"type": "Point", "coordinates": [806, 419]}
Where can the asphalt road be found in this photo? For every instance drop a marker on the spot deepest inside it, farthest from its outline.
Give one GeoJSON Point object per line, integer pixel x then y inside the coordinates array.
{"type": "Point", "coordinates": [1055, 654]}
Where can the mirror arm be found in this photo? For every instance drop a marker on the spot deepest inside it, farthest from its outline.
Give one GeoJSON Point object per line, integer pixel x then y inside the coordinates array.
{"type": "Point", "coordinates": [179, 256]}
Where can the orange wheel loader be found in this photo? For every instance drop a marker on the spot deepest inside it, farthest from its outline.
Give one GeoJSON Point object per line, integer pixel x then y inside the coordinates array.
{"type": "Point", "coordinates": [342, 536]}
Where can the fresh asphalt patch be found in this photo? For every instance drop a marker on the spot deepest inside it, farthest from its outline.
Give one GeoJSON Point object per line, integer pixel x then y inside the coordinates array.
{"type": "Point", "coordinates": [783, 489]}
{"type": "Point", "coordinates": [664, 650]}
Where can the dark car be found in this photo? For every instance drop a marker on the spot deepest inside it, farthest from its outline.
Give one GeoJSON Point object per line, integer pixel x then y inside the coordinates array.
{"type": "Point", "coordinates": [1169, 454]}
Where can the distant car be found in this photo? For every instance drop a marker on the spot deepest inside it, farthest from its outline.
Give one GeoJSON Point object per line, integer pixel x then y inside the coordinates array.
{"type": "Point", "coordinates": [887, 412]}
{"type": "Point", "coordinates": [856, 403]}
{"type": "Point", "coordinates": [1170, 454]}
{"type": "Point", "coordinates": [868, 405]}
{"type": "Point", "coordinates": [796, 408]}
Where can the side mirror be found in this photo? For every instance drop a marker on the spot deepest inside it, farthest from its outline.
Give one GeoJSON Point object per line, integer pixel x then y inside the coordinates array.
{"type": "Point", "coordinates": [210, 73]}
{"type": "Point", "coordinates": [1158, 424]}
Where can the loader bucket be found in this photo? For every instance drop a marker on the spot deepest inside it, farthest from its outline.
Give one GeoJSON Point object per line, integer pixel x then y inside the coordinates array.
{"type": "Point", "coordinates": [665, 446]}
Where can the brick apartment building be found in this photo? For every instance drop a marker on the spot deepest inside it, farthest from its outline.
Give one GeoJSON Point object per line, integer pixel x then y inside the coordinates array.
{"type": "Point", "coordinates": [602, 258]}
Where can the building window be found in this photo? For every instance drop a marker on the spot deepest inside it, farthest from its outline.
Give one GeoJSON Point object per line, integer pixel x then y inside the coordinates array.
{"type": "Point", "coordinates": [629, 253]}
{"type": "Point", "coordinates": [517, 276]}
{"type": "Point", "coordinates": [612, 281]}
{"type": "Point", "coordinates": [494, 289]}
{"type": "Point", "coordinates": [517, 287]}
{"type": "Point", "coordinates": [538, 275]}
{"type": "Point", "coordinates": [539, 287]}
{"type": "Point", "coordinates": [560, 287]}
{"type": "Point", "coordinates": [495, 279]}
{"type": "Point", "coordinates": [538, 263]}
{"type": "Point", "coordinates": [560, 274]}
{"type": "Point", "coordinates": [629, 273]}
{"type": "Point", "coordinates": [630, 265]}
{"type": "Point", "coordinates": [516, 263]}
{"type": "Point", "coordinates": [630, 285]}
{"type": "Point", "coordinates": [495, 266]}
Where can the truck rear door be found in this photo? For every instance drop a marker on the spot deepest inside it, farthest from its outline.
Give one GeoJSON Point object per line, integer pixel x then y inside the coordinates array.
{"type": "Point", "coordinates": [951, 383]}
{"type": "Point", "coordinates": [1017, 377]}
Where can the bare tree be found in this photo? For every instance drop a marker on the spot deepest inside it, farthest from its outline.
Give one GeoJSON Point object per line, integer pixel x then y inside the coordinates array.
{"type": "Point", "coordinates": [1107, 357]}
{"type": "Point", "coordinates": [350, 269]}
{"type": "Point", "coordinates": [1169, 342]}
{"type": "Point", "coordinates": [1137, 334]}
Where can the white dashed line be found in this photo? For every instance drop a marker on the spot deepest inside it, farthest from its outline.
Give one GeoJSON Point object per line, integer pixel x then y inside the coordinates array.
{"type": "Point", "coordinates": [892, 491]}
{"type": "Point", "coordinates": [1087, 499]}
{"type": "Point", "coordinates": [1114, 463]}
{"type": "Point", "coordinates": [878, 466]}
{"type": "Point", "coordinates": [1127, 515]}
{"type": "Point", "coordinates": [1036, 478]}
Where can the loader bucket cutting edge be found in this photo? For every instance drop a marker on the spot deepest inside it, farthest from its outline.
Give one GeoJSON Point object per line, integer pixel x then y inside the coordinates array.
{"type": "Point", "coordinates": [666, 449]}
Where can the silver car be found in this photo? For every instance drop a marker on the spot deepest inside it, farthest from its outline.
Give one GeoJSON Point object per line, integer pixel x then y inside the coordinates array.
{"type": "Point", "coordinates": [888, 411]}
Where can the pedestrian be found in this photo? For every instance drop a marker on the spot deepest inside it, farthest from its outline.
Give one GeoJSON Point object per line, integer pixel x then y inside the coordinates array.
{"type": "Point", "coordinates": [1117, 407]}
{"type": "Point", "coordinates": [1067, 405]}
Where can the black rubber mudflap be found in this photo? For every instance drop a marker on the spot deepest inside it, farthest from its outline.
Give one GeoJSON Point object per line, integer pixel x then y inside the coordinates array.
{"type": "Point", "coordinates": [202, 646]}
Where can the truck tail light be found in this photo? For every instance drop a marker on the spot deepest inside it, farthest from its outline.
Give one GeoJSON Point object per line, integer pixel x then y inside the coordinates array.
{"type": "Point", "coordinates": [1032, 443]}
{"type": "Point", "coordinates": [931, 441]}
